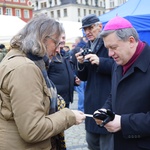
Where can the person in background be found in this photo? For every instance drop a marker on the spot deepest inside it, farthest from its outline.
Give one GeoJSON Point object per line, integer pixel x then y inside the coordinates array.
{"type": "Point", "coordinates": [61, 73]}
{"type": "Point", "coordinates": [67, 51]}
{"type": "Point", "coordinates": [80, 43]}
{"type": "Point", "coordinates": [129, 97]}
{"type": "Point", "coordinates": [73, 45]}
{"type": "Point", "coordinates": [3, 51]}
{"type": "Point", "coordinates": [62, 43]}
{"type": "Point", "coordinates": [66, 48]}
{"type": "Point", "coordinates": [85, 39]}
{"type": "Point", "coordinates": [94, 66]}
{"type": "Point", "coordinates": [26, 93]}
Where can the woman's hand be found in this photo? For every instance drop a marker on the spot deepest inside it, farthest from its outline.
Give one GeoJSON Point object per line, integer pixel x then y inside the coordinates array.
{"type": "Point", "coordinates": [80, 117]}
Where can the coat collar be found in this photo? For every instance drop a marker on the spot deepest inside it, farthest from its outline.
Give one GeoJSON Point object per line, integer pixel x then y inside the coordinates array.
{"type": "Point", "coordinates": [142, 63]}
{"type": "Point", "coordinates": [58, 58]}
{"type": "Point", "coordinates": [98, 45]}
{"type": "Point", "coordinates": [13, 53]}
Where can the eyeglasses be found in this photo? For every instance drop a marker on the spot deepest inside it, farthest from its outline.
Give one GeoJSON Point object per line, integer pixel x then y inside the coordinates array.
{"type": "Point", "coordinates": [89, 27]}
{"type": "Point", "coordinates": [55, 41]}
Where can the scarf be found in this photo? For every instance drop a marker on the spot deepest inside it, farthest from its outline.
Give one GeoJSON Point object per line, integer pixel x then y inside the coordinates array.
{"type": "Point", "coordinates": [42, 63]}
{"type": "Point", "coordinates": [56, 101]}
{"type": "Point", "coordinates": [94, 43]}
{"type": "Point", "coordinates": [137, 53]}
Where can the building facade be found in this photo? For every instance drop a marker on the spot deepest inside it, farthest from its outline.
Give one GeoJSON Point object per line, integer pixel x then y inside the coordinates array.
{"type": "Point", "coordinates": [111, 4]}
{"type": "Point", "coordinates": [21, 8]}
{"type": "Point", "coordinates": [72, 10]}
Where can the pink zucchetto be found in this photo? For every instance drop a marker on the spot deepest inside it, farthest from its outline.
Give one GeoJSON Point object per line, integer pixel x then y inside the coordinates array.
{"type": "Point", "coordinates": [117, 23]}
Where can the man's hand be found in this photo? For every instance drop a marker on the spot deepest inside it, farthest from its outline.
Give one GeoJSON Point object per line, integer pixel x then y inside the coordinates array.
{"type": "Point", "coordinates": [111, 126]}
{"type": "Point", "coordinates": [79, 57]}
{"type": "Point", "coordinates": [77, 80]}
{"type": "Point", "coordinates": [98, 121]}
{"type": "Point", "coordinates": [93, 58]}
{"type": "Point", "coordinates": [115, 125]}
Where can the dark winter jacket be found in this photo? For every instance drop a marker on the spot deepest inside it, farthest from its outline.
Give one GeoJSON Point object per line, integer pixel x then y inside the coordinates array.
{"type": "Point", "coordinates": [130, 98]}
{"type": "Point", "coordinates": [98, 86]}
{"type": "Point", "coordinates": [61, 73]}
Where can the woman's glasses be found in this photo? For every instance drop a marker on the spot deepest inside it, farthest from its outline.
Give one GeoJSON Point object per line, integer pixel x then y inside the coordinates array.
{"type": "Point", "coordinates": [55, 41]}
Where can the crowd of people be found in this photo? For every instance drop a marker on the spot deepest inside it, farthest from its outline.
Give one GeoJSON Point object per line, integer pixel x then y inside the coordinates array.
{"type": "Point", "coordinates": [108, 68]}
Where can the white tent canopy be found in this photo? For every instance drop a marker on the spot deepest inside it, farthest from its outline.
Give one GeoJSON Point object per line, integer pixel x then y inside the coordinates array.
{"type": "Point", "coordinates": [9, 26]}
{"type": "Point", "coordinates": [72, 30]}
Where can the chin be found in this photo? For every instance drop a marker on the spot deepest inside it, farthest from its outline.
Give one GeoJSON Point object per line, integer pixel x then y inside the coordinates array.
{"type": "Point", "coordinates": [118, 63]}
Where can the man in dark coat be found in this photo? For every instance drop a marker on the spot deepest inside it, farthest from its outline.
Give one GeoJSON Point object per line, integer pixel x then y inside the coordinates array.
{"type": "Point", "coordinates": [130, 94]}
{"type": "Point", "coordinates": [61, 73]}
{"type": "Point", "coordinates": [96, 70]}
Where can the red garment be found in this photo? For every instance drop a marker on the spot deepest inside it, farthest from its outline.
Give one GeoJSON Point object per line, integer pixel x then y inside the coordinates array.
{"type": "Point", "coordinates": [138, 51]}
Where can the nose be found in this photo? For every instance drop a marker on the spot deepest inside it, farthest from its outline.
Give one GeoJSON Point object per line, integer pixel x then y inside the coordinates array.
{"type": "Point", "coordinates": [110, 52]}
{"type": "Point", "coordinates": [57, 49]}
{"type": "Point", "coordinates": [87, 31]}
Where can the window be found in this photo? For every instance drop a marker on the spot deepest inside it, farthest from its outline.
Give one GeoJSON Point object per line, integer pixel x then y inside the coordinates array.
{"type": "Point", "coordinates": [58, 13]}
{"type": "Point", "coordinates": [94, 11]}
{"type": "Point", "coordinates": [22, 1]}
{"type": "Point", "coordinates": [52, 14]}
{"type": "Point", "coordinates": [111, 4]}
{"type": "Point", "coordinates": [55, 2]}
{"type": "Point", "coordinates": [1, 11]}
{"type": "Point", "coordinates": [121, 2]}
{"type": "Point", "coordinates": [79, 13]}
{"type": "Point", "coordinates": [84, 12]}
{"type": "Point", "coordinates": [65, 12]}
{"type": "Point", "coordinates": [26, 14]}
{"type": "Point", "coordinates": [101, 4]}
{"type": "Point", "coordinates": [18, 12]}
{"type": "Point", "coordinates": [43, 5]}
{"type": "Point", "coordinates": [16, 0]}
{"type": "Point", "coordinates": [8, 11]}
{"type": "Point", "coordinates": [99, 13]}
{"type": "Point", "coordinates": [89, 11]}
{"type": "Point", "coordinates": [91, 2]}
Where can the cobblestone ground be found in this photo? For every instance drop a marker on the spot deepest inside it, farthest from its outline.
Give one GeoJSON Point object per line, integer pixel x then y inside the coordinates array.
{"type": "Point", "coordinates": [75, 136]}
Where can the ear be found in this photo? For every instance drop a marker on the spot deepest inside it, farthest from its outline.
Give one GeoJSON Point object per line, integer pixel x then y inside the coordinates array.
{"type": "Point", "coordinates": [100, 26]}
{"type": "Point", "coordinates": [132, 41]}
